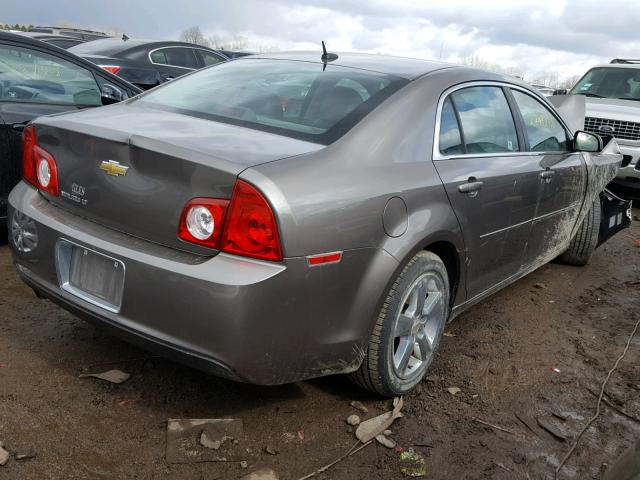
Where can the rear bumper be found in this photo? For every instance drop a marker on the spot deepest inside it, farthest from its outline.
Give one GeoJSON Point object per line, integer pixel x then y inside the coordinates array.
{"type": "Point", "coordinates": [253, 321]}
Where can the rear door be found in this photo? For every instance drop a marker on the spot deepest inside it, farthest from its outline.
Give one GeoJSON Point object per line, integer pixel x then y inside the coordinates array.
{"type": "Point", "coordinates": [492, 185]}
{"type": "Point", "coordinates": [173, 62]}
{"type": "Point", "coordinates": [33, 83]}
{"type": "Point", "coordinates": [563, 176]}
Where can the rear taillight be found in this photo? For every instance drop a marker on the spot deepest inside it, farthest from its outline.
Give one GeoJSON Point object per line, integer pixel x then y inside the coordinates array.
{"type": "Point", "coordinates": [250, 228]}
{"type": "Point", "coordinates": [202, 221]}
{"type": "Point", "coordinates": [111, 68]}
{"type": "Point", "coordinates": [28, 146]}
{"type": "Point", "coordinates": [38, 166]}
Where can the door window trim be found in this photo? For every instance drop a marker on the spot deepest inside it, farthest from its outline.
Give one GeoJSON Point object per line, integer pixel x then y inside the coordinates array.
{"type": "Point", "coordinates": [198, 59]}
{"type": "Point", "coordinates": [437, 155]}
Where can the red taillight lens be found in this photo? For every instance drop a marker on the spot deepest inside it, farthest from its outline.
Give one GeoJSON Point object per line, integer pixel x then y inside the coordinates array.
{"type": "Point", "coordinates": [243, 226]}
{"type": "Point", "coordinates": [28, 164]}
{"type": "Point", "coordinates": [250, 228]}
{"type": "Point", "coordinates": [111, 68]}
{"type": "Point", "coordinates": [38, 166]}
{"type": "Point", "coordinates": [202, 220]}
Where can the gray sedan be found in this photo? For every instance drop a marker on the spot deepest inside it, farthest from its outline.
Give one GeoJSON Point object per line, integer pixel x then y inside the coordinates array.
{"type": "Point", "coordinates": [283, 217]}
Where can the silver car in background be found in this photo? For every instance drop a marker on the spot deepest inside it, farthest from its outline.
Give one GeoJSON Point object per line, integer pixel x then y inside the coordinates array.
{"type": "Point", "coordinates": [283, 217]}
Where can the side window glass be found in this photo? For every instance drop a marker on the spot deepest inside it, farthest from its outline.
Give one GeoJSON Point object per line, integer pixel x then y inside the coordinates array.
{"type": "Point", "coordinates": [159, 57]}
{"type": "Point", "coordinates": [544, 131]}
{"type": "Point", "coordinates": [486, 120]}
{"type": "Point", "coordinates": [450, 139]}
{"type": "Point", "coordinates": [181, 57]}
{"type": "Point", "coordinates": [209, 58]}
{"type": "Point", "coordinates": [32, 76]}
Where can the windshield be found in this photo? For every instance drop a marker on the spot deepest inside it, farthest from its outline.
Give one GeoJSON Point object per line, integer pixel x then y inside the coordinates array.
{"type": "Point", "coordinates": [292, 98]}
{"type": "Point", "coordinates": [623, 83]}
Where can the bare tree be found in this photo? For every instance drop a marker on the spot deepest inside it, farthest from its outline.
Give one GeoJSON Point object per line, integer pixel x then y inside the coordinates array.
{"type": "Point", "coordinates": [236, 42]}
{"type": "Point", "coordinates": [476, 61]}
{"type": "Point", "coordinates": [194, 35]}
{"type": "Point", "coordinates": [569, 82]}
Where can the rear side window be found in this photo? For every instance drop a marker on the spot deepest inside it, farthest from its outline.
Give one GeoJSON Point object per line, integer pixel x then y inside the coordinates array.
{"type": "Point", "coordinates": [209, 58]}
{"type": "Point", "coordinates": [544, 132]}
{"type": "Point", "coordinates": [305, 100]}
{"type": "Point", "coordinates": [450, 139]}
{"type": "Point", "coordinates": [486, 121]}
{"type": "Point", "coordinates": [175, 57]}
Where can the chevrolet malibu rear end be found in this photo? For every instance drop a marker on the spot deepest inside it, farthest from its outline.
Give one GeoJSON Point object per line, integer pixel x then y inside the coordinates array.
{"type": "Point", "coordinates": [215, 222]}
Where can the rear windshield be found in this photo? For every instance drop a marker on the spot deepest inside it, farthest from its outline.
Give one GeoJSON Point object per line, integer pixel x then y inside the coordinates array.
{"type": "Point", "coordinates": [297, 99]}
{"type": "Point", "coordinates": [102, 46]}
{"type": "Point", "coordinates": [613, 82]}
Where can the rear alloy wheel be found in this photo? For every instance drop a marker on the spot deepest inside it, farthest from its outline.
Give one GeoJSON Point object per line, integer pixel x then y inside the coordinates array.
{"type": "Point", "coordinates": [409, 328]}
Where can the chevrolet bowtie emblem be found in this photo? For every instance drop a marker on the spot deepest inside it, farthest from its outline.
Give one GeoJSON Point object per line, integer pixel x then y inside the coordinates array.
{"type": "Point", "coordinates": [113, 168]}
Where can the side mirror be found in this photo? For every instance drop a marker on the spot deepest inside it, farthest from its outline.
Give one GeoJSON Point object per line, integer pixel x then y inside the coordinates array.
{"type": "Point", "coordinates": [587, 142]}
{"type": "Point", "coordinates": [560, 91]}
{"type": "Point", "coordinates": [111, 94]}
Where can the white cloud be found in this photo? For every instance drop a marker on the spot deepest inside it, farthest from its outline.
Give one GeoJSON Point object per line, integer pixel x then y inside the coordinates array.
{"type": "Point", "coordinates": [539, 38]}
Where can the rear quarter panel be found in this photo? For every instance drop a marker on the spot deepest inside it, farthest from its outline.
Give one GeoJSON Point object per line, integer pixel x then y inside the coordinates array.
{"type": "Point", "coordinates": [334, 199]}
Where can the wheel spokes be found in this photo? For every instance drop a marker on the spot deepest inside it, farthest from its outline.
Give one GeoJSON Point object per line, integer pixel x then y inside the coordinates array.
{"type": "Point", "coordinates": [420, 291]}
{"type": "Point", "coordinates": [425, 345]}
{"type": "Point", "coordinates": [403, 353]}
{"type": "Point", "coordinates": [430, 302]}
{"type": "Point", "coordinates": [404, 325]}
{"type": "Point", "coordinates": [417, 325]}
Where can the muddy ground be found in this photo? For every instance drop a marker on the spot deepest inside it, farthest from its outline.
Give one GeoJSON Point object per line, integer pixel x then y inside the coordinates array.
{"type": "Point", "coordinates": [501, 354]}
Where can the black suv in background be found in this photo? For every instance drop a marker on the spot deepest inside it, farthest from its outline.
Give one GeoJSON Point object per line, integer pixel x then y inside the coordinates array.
{"type": "Point", "coordinates": [148, 63]}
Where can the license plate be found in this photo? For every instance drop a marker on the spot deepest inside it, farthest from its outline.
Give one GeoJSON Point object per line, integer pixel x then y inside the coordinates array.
{"type": "Point", "coordinates": [92, 276]}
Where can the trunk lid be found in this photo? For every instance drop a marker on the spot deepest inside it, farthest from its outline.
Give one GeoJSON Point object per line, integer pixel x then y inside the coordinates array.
{"type": "Point", "coordinates": [133, 169]}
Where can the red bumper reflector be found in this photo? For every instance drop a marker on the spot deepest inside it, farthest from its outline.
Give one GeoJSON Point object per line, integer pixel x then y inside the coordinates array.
{"type": "Point", "coordinates": [324, 258]}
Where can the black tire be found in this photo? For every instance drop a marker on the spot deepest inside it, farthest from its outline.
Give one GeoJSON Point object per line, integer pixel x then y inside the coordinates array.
{"type": "Point", "coordinates": [377, 372]}
{"type": "Point", "coordinates": [584, 243]}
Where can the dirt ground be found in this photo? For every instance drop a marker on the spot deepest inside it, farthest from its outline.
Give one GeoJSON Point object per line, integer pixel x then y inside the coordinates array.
{"type": "Point", "coordinates": [501, 354]}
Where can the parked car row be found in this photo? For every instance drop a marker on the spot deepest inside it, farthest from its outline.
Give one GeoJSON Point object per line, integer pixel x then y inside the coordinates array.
{"type": "Point", "coordinates": [146, 63]}
{"type": "Point", "coordinates": [287, 216]}
{"type": "Point", "coordinates": [36, 79]}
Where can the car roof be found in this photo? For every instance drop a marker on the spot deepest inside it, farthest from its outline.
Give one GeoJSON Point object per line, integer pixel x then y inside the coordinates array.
{"type": "Point", "coordinates": [617, 65]}
{"type": "Point", "coordinates": [409, 68]}
{"type": "Point", "coordinates": [111, 46]}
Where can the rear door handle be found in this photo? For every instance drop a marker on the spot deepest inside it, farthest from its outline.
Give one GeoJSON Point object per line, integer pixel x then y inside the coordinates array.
{"type": "Point", "coordinates": [471, 188]}
{"type": "Point", "coordinates": [547, 175]}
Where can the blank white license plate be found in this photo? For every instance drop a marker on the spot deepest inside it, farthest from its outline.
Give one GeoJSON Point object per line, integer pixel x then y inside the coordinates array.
{"type": "Point", "coordinates": [92, 276]}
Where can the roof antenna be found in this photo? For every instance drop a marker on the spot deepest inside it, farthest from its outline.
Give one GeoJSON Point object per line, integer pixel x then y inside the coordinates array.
{"type": "Point", "coordinates": [327, 57]}
{"type": "Point", "coordinates": [124, 37]}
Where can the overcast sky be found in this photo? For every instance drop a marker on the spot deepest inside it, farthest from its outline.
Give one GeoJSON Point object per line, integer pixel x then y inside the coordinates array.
{"type": "Point", "coordinates": [532, 37]}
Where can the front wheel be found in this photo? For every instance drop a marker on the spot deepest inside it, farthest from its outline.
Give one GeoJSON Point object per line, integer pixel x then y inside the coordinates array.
{"type": "Point", "coordinates": [408, 329]}
{"type": "Point", "coordinates": [585, 241]}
